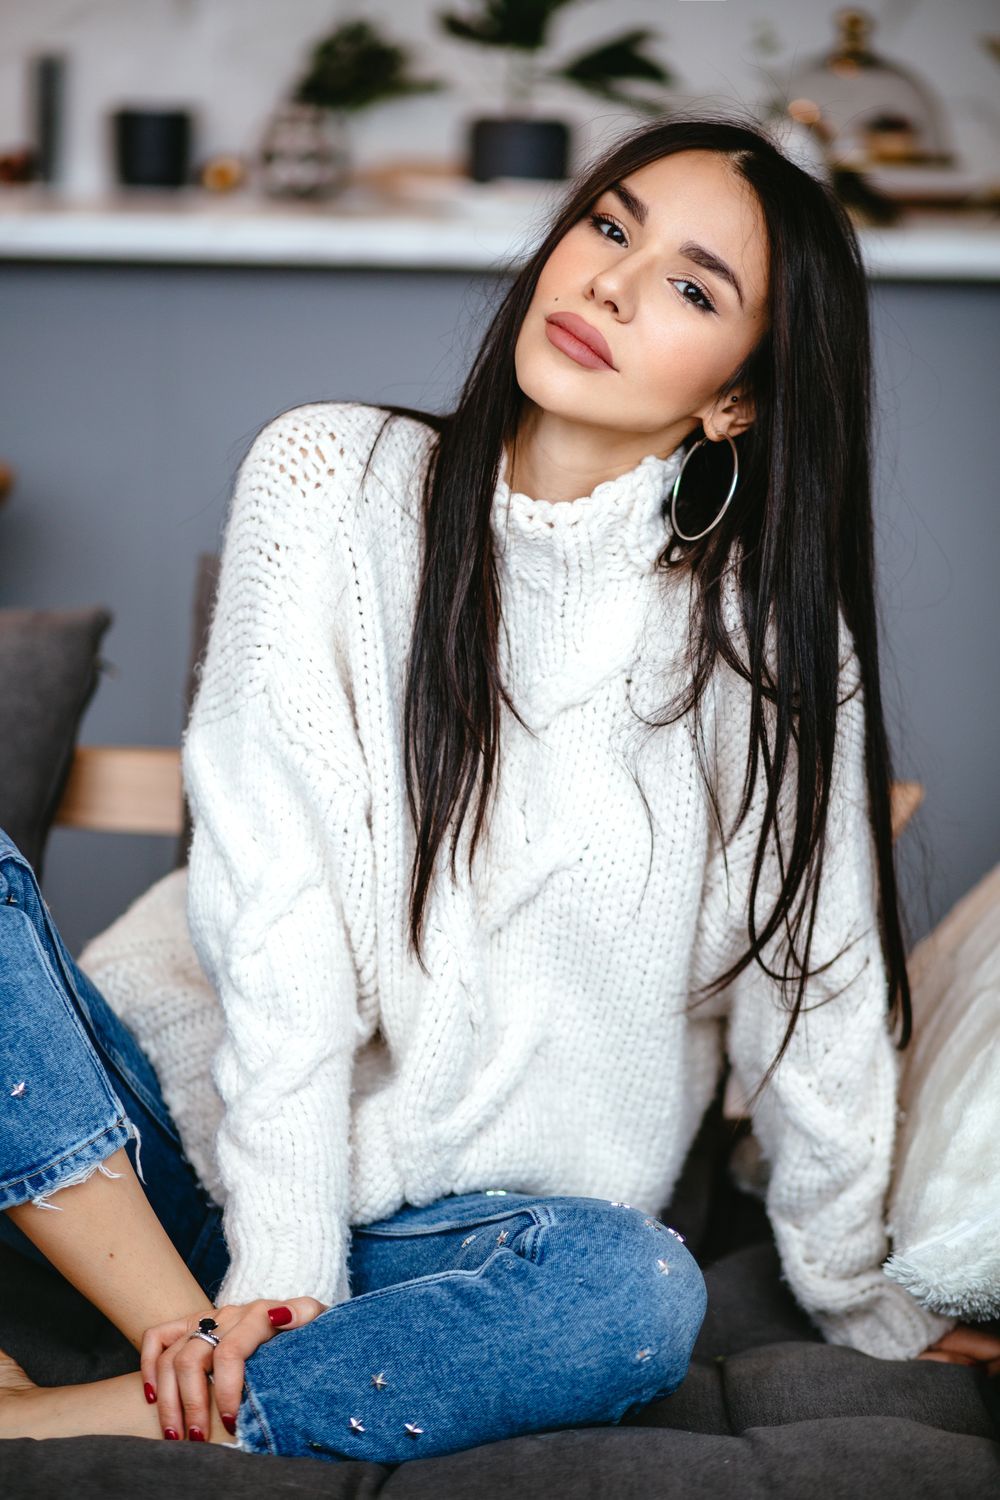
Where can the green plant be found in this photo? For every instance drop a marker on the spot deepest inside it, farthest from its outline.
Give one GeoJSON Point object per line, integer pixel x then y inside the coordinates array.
{"type": "Point", "coordinates": [520, 28]}
{"type": "Point", "coordinates": [354, 67]}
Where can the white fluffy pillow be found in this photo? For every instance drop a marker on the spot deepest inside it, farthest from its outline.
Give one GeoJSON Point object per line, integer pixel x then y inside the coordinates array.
{"type": "Point", "coordinates": [944, 1198]}
{"type": "Point", "coordinates": [146, 968]}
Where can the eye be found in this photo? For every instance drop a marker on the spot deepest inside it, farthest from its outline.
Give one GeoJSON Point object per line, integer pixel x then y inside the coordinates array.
{"type": "Point", "coordinates": [705, 304]}
{"type": "Point", "coordinates": [598, 219]}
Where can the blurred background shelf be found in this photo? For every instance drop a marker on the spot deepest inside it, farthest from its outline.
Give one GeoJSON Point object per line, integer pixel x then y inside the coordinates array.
{"type": "Point", "coordinates": [478, 228]}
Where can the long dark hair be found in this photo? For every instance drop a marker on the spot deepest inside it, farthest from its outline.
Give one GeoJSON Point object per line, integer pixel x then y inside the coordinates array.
{"type": "Point", "coordinates": [798, 537]}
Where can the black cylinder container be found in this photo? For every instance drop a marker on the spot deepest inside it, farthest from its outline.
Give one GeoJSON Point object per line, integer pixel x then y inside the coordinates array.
{"type": "Point", "coordinates": [152, 147]}
{"type": "Point", "coordinates": [512, 147]}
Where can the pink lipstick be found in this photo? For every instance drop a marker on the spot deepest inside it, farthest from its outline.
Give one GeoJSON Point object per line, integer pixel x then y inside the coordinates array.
{"type": "Point", "coordinates": [577, 338]}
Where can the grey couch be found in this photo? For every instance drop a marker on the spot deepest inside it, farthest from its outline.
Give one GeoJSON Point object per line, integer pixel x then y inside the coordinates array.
{"type": "Point", "coordinates": [767, 1408]}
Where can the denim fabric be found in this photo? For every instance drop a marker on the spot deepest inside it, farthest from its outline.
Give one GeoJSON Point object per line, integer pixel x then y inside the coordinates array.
{"type": "Point", "coordinates": [75, 1085]}
{"type": "Point", "coordinates": [480, 1316]}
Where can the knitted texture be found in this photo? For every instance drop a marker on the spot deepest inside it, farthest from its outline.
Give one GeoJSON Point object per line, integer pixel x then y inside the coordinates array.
{"type": "Point", "coordinates": [547, 1049]}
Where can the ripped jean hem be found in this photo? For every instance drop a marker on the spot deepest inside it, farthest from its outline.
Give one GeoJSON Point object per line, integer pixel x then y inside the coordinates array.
{"type": "Point", "coordinates": [70, 1168]}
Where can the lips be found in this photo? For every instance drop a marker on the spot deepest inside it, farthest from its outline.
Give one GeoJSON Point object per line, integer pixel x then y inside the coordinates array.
{"type": "Point", "coordinates": [582, 330]}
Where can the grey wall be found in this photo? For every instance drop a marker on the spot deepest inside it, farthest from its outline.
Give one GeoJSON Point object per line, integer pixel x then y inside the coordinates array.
{"type": "Point", "coordinates": [129, 395]}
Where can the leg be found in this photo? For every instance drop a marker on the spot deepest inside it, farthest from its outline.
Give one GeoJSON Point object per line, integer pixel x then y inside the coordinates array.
{"type": "Point", "coordinates": [112, 1407]}
{"type": "Point", "coordinates": [78, 1093]}
{"type": "Point", "coordinates": [476, 1318]}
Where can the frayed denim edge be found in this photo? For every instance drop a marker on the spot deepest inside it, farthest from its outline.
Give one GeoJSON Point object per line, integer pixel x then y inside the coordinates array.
{"type": "Point", "coordinates": [119, 1133]}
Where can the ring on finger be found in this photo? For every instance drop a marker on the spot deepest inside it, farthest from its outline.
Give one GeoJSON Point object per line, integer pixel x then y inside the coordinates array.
{"type": "Point", "coordinates": [206, 1330]}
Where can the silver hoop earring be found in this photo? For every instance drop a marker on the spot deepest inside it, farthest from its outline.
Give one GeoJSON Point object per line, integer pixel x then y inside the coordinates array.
{"type": "Point", "coordinates": [725, 504]}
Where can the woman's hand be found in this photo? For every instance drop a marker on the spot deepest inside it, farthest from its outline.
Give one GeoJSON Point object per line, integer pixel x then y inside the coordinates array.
{"type": "Point", "coordinates": [175, 1367]}
{"type": "Point", "coordinates": [966, 1345]}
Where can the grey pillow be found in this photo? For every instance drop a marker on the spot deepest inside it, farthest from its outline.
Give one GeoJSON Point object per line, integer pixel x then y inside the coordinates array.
{"type": "Point", "coordinates": [49, 670]}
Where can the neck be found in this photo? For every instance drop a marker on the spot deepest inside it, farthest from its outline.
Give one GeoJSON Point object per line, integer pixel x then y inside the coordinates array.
{"type": "Point", "coordinates": [557, 459]}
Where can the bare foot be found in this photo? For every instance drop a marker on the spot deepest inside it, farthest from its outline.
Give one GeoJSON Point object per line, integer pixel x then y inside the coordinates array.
{"type": "Point", "coordinates": [13, 1383]}
{"type": "Point", "coordinates": [12, 1377]}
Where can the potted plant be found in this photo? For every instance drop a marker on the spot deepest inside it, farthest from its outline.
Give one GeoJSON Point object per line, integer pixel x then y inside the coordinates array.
{"type": "Point", "coordinates": [306, 151]}
{"type": "Point", "coordinates": [517, 144]}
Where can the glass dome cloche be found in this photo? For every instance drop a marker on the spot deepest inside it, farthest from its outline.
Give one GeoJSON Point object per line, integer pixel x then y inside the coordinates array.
{"type": "Point", "coordinates": [877, 111]}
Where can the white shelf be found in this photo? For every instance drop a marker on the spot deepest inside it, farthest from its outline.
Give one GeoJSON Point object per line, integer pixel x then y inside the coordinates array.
{"type": "Point", "coordinates": [486, 227]}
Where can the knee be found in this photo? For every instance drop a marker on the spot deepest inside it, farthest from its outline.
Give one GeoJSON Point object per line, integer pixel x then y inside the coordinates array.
{"type": "Point", "coordinates": [659, 1297]}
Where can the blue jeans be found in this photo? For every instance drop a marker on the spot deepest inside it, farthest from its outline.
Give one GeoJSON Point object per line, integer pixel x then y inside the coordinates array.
{"type": "Point", "coordinates": [480, 1316]}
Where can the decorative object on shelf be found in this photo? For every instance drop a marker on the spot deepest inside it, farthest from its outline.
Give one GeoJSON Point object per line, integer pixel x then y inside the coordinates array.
{"type": "Point", "coordinates": [883, 125]}
{"type": "Point", "coordinates": [517, 143]}
{"type": "Point", "coordinates": [305, 150]}
{"type": "Point", "coordinates": [877, 110]}
{"type": "Point", "coordinates": [47, 90]}
{"type": "Point", "coordinates": [152, 147]}
{"type": "Point", "coordinates": [223, 172]}
{"type": "Point", "coordinates": [17, 165]}
{"type": "Point", "coordinates": [863, 201]}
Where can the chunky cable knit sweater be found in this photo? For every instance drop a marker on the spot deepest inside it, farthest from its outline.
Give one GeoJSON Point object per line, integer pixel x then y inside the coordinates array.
{"type": "Point", "coordinates": [548, 1050]}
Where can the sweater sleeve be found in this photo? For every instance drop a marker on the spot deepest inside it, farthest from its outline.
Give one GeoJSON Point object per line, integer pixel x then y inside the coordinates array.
{"type": "Point", "coordinates": [280, 874]}
{"type": "Point", "coordinates": [826, 1121]}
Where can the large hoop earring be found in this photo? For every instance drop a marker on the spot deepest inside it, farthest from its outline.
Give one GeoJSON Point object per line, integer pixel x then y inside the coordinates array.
{"type": "Point", "coordinates": [725, 504]}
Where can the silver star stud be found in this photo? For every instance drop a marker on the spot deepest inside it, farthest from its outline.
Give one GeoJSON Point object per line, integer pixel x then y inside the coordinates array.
{"type": "Point", "coordinates": [643, 1353]}
{"type": "Point", "coordinates": [357, 1425]}
{"type": "Point", "coordinates": [496, 1192]}
{"type": "Point", "coordinates": [379, 1380]}
{"type": "Point", "coordinates": [676, 1235]}
{"type": "Point", "coordinates": [468, 1240]}
{"type": "Point", "coordinates": [413, 1429]}
{"type": "Point", "coordinates": [502, 1237]}
{"type": "Point", "coordinates": [651, 1223]}
{"type": "Point", "coordinates": [661, 1265]}
{"type": "Point", "coordinates": [17, 1092]}
{"type": "Point", "coordinates": [621, 1205]}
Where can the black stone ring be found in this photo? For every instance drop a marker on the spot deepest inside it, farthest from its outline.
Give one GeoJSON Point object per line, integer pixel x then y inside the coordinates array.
{"type": "Point", "coordinates": [204, 1332]}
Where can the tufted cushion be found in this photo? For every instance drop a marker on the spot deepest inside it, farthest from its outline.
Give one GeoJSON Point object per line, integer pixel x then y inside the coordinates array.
{"type": "Point", "coordinates": [49, 669]}
{"type": "Point", "coordinates": [767, 1411]}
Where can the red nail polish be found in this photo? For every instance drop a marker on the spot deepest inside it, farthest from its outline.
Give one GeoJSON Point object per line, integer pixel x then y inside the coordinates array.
{"type": "Point", "coordinates": [279, 1316]}
{"type": "Point", "coordinates": [168, 1432]}
{"type": "Point", "coordinates": [196, 1435]}
{"type": "Point", "coordinates": [149, 1392]}
{"type": "Point", "coordinates": [228, 1422]}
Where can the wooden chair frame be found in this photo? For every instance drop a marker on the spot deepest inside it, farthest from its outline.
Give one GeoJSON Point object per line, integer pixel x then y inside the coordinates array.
{"type": "Point", "coordinates": [138, 789]}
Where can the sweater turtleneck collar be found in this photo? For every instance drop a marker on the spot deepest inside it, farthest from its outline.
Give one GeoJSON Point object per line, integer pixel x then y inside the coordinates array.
{"type": "Point", "coordinates": [576, 578]}
{"type": "Point", "coordinates": [616, 531]}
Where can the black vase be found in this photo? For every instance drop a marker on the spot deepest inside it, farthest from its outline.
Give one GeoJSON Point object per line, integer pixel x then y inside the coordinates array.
{"type": "Point", "coordinates": [513, 147]}
{"type": "Point", "coordinates": [152, 147]}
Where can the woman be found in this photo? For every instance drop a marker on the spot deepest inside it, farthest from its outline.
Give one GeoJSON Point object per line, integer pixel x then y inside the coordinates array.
{"type": "Point", "coordinates": [461, 1063]}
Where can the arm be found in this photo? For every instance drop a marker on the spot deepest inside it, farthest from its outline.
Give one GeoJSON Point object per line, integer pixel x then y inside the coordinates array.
{"type": "Point", "coordinates": [280, 882]}
{"type": "Point", "coordinates": [826, 1122]}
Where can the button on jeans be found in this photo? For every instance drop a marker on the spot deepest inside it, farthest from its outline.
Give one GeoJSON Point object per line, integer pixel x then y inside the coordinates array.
{"type": "Point", "coordinates": [480, 1316]}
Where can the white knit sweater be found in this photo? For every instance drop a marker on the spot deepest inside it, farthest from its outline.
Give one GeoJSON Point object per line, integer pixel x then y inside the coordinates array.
{"type": "Point", "coordinates": [547, 1051]}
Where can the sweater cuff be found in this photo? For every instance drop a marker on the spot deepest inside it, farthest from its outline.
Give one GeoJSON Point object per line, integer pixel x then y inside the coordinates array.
{"type": "Point", "coordinates": [240, 1288]}
{"type": "Point", "coordinates": [264, 1272]}
{"type": "Point", "coordinates": [888, 1323]}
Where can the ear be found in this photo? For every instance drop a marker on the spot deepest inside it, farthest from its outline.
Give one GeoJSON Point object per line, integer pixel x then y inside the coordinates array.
{"type": "Point", "coordinates": [728, 417]}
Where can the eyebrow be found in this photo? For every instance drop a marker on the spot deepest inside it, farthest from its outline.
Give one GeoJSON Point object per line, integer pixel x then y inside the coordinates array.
{"type": "Point", "coordinates": [707, 259]}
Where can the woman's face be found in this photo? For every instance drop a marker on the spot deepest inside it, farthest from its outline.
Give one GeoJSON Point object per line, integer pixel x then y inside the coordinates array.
{"type": "Point", "coordinates": [676, 327]}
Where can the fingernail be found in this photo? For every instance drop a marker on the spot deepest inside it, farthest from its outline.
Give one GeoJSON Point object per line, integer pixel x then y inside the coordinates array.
{"type": "Point", "coordinates": [149, 1392]}
{"type": "Point", "coordinates": [228, 1422]}
{"type": "Point", "coordinates": [196, 1435]}
{"type": "Point", "coordinates": [168, 1432]}
{"type": "Point", "coordinates": [279, 1316]}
